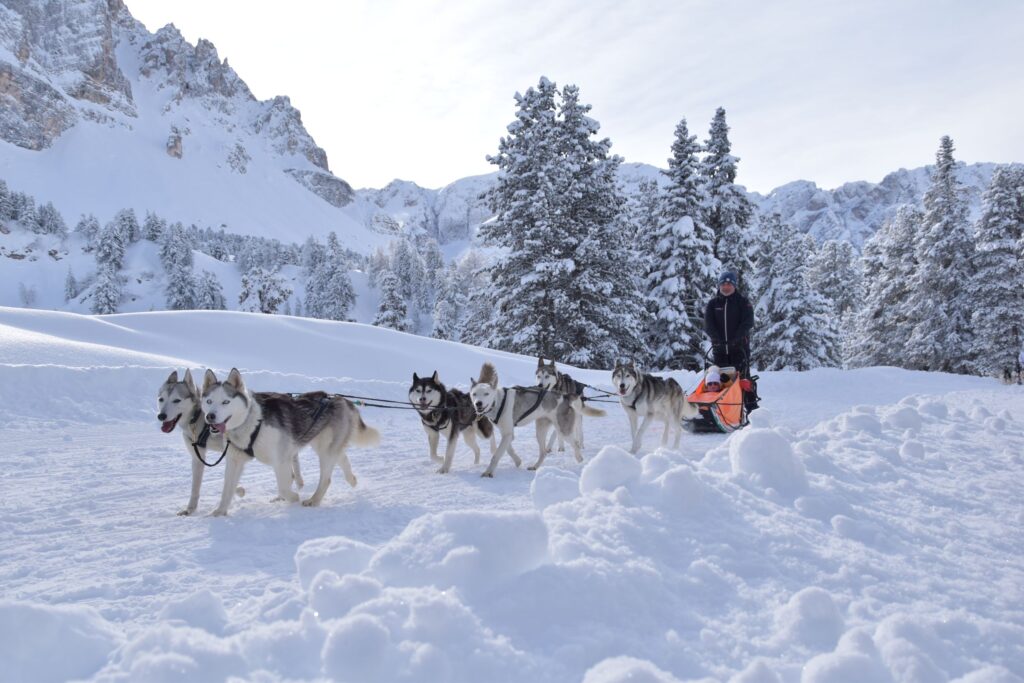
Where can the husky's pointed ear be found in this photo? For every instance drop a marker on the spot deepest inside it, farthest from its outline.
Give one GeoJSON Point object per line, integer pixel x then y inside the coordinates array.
{"type": "Point", "coordinates": [472, 382]}
{"type": "Point", "coordinates": [540, 361]}
{"type": "Point", "coordinates": [209, 379]}
{"type": "Point", "coordinates": [189, 382]}
{"type": "Point", "coordinates": [434, 378]}
{"type": "Point", "coordinates": [172, 378]}
{"type": "Point", "coordinates": [415, 378]}
{"type": "Point", "coordinates": [235, 380]}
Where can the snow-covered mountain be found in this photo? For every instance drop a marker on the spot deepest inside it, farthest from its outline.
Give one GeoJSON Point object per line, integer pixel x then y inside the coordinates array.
{"type": "Point", "coordinates": [854, 211]}
{"type": "Point", "coordinates": [99, 114]}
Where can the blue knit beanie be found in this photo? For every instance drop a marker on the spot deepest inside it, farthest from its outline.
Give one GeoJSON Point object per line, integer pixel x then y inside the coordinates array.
{"type": "Point", "coordinates": [727, 276]}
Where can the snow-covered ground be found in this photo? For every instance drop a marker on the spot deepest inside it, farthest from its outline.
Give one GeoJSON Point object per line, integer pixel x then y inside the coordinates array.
{"type": "Point", "coordinates": [867, 527]}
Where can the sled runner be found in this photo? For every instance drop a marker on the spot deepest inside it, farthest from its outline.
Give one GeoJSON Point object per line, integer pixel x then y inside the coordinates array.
{"type": "Point", "coordinates": [724, 410]}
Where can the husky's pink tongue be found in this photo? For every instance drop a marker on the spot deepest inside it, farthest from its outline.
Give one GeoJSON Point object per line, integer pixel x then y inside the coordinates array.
{"type": "Point", "coordinates": [220, 427]}
{"type": "Point", "coordinates": [167, 427]}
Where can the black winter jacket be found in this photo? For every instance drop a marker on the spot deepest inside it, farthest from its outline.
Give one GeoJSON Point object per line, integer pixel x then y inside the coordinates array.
{"type": "Point", "coordinates": [729, 319]}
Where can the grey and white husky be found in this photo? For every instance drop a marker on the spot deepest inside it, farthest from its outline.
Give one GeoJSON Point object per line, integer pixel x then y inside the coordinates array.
{"type": "Point", "coordinates": [272, 428]}
{"type": "Point", "coordinates": [551, 379]}
{"type": "Point", "coordinates": [449, 412]}
{"type": "Point", "coordinates": [509, 407]}
{"type": "Point", "coordinates": [180, 399]}
{"type": "Point", "coordinates": [651, 397]}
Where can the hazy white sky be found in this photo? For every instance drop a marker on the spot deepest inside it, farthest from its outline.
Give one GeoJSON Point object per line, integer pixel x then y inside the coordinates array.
{"type": "Point", "coordinates": [824, 90]}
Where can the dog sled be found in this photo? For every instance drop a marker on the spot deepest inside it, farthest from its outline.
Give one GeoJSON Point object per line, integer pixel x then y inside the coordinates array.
{"type": "Point", "coordinates": [724, 410]}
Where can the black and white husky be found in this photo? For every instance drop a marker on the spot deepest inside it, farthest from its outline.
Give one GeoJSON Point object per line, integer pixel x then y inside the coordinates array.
{"type": "Point", "coordinates": [651, 397]}
{"type": "Point", "coordinates": [272, 428]}
{"type": "Point", "coordinates": [551, 379]}
{"type": "Point", "coordinates": [449, 412]}
{"type": "Point", "coordinates": [509, 407]}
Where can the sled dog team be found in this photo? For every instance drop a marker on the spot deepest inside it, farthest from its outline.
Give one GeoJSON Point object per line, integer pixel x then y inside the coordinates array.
{"type": "Point", "coordinates": [224, 420]}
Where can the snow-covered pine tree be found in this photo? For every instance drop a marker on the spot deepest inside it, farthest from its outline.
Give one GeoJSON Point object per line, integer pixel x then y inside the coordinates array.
{"type": "Point", "coordinates": [835, 272]}
{"type": "Point", "coordinates": [176, 257]}
{"type": "Point", "coordinates": [643, 212]}
{"type": "Point", "coordinates": [209, 293]}
{"type": "Point", "coordinates": [298, 312]}
{"type": "Point", "coordinates": [50, 222]}
{"type": "Point", "coordinates": [533, 255]}
{"type": "Point", "coordinates": [728, 212]}
{"type": "Point", "coordinates": [129, 225]}
{"type": "Point", "coordinates": [153, 227]}
{"type": "Point", "coordinates": [313, 254]}
{"type": "Point", "coordinates": [884, 321]}
{"type": "Point", "coordinates": [110, 246]}
{"type": "Point", "coordinates": [795, 326]}
{"type": "Point", "coordinates": [433, 264]}
{"type": "Point", "coordinates": [376, 264]}
{"type": "Point", "coordinates": [5, 202]}
{"type": "Point", "coordinates": [602, 318]}
{"type": "Point", "coordinates": [329, 292]}
{"type": "Point", "coordinates": [448, 307]}
{"type": "Point", "coordinates": [941, 339]}
{"type": "Point", "coordinates": [391, 312]}
{"type": "Point", "coordinates": [263, 291]}
{"type": "Point", "coordinates": [70, 286]}
{"type": "Point", "coordinates": [473, 283]}
{"type": "Point", "coordinates": [89, 228]}
{"type": "Point", "coordinates": [682, 266]}
{"type": "Point", "coordinates": [106, 293]}
{"type": "Point", "coordinates": [27, 213]}
{"type": "Point", "coordinates": [997, 291]}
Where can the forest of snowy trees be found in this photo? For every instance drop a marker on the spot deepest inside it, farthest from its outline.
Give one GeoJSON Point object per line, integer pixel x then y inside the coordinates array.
{"type": "Point", "coordinates": [573, 268]}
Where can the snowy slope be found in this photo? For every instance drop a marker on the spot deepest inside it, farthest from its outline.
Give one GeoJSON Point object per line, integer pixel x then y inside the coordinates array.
{"type": "Point", "coordinates": [866, 528]}
{"type": "Point", "coordinates": [100, 114]}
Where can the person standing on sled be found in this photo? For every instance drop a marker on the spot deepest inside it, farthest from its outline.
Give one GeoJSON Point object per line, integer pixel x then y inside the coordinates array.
{"type": "Point", "coordinates": [728, 319]}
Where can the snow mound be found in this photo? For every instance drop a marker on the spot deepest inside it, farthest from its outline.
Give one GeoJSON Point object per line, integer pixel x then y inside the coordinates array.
{"type": "Point", "coordinates": [469, 550]}
{"type": "Point", "coordinates": [611, 468]}
{"type": "Point", "coordinates": [31, 632]}
{"type": "Point", "coordinates": [627, 670]}
{"type": "Point", "coordinates": [812, 618]}
{"type": "Point", "coordinates": [552, 485]}
{"type": "Point", "coordinates": [765, 458]}
{"type": "Point", "coordinates": [335, 553]}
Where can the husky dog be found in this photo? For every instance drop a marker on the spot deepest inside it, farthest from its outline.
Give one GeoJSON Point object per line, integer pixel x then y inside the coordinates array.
{"type": "Point", "coordinates": [448, 412]}
{"type": "Point", "coordinates": [509, 407]}
{"type": "Point", "coordinates": [652, 397]}
{"type": "Point", "coordinates": [272, 428]}
{"type": "Point", "coordinates": [181, 399]}
{"type": "Point", "coordinates": [551, 379]}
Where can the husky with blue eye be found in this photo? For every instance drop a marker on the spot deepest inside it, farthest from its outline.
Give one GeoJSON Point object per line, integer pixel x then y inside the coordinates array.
{"type": "Point", "coordinates": [272, 428]}
{"type": "Point", "coordinates": [448, 412]}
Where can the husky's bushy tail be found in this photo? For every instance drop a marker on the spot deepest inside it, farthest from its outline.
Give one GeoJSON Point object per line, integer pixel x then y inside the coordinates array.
{"type": "Point", "coordinates": [593, 412]}
{"type": "Point", "coordinates": [364, 435]}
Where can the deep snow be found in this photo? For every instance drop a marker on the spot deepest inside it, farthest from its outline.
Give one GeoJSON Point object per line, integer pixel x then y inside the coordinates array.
{"type": "Point", "coordinates": [866, 527]}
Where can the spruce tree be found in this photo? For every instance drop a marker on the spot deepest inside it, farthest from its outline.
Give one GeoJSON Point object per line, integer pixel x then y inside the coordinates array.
{"type": "Point", "coordinates": [110, 246]}
{"type": "Point", "coordinates": [682, 266]}
{"type": "Point", "coordinates": [50, 222]}
{"type": "Point", "coordinates": [796, 328]}
{"type": "Point", "coordinates": [941, 339]}
{"type": "Point", "coordinates": [884, 321]}
{"type": "Point", "coordinates": [70, 286]}
{"type": "Point", "coordinates": [391, 312]}
{"type": "Point", "coordinates": [209, 293]}
{"type": "Point", "coordinates": [176, 257]}
{"type": "Point", "coordinates": [89, 228]}
{"type": "Point", "coordinates": [263, 291]}
{"type": "Point", "coordinates": [448, 307]}
{"type": "Point", "coordinates": [154, 227]}
{"type": "Point", "coordinates": [531, 264]}
{"type": "Point", "coordinates": [329, 292]}
{"type": "Point", "coordinates": [728, 212]}
{"type": "Point", "coordinates": [6, 206]}
{"type": "Point", "coordinates": [129, 225]}
{"type": "Point", "coordinates": [106, 293]}
{"type": "Point", "coordinates": [997, 291]}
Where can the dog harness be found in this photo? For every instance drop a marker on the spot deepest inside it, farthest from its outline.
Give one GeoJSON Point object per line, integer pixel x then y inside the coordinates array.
{"type": "Point", "coordinates": [204, 436]}
{"type": "Point", "coordinates": [639, 396]}
{"type": "Point", "coordinates": [442, 420]}
{"type": "Point", "coordinates": [540, 397]}
{"type": "Point", "coordinates": [252, 441]}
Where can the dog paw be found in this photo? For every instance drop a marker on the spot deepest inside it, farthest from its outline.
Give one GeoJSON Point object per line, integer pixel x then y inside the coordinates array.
{"type": "Point", "coordinates": [310, 503]}
{"type": "Point", "coordinates": [351, 479]}
{"type": "Point", "coordinates": [277, 499]}
{"type": "Point", "coordinates": [443, 470]}
{"type": "Point", "coordinates": [489, 475]}
{"type": "Point", "coordinates": [533, 468]}
{"type": "Point", "coordinates": [579, 458]}
{"type": "Point", "coordinates": [219, 513]}
{"type": "Point", "coordinates": [186, 512]}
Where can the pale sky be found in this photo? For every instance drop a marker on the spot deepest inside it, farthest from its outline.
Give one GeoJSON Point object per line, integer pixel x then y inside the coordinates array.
{"type": "Point", "coordinates": [827, 90]}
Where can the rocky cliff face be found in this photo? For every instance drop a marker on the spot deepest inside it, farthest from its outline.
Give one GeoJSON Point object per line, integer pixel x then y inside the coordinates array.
{"type": "Point", "coordinates": [66, 63]}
